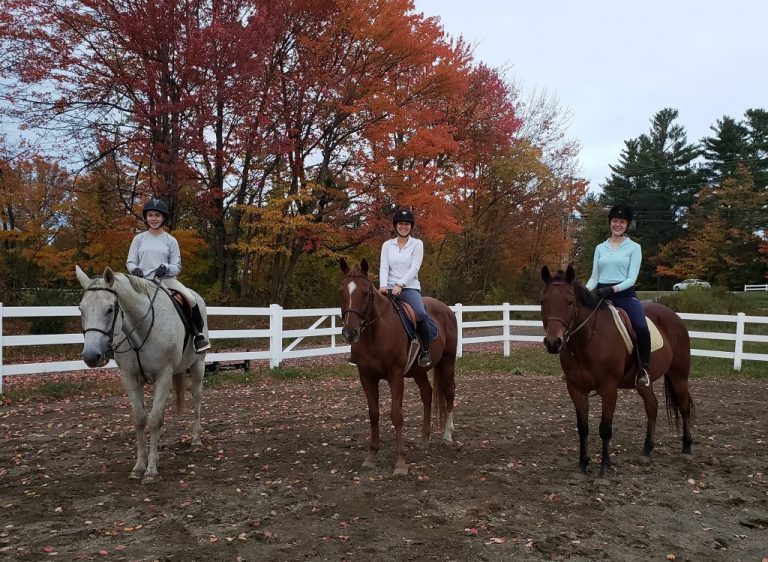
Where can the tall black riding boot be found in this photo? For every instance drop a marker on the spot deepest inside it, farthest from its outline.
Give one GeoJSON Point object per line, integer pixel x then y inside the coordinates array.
{"type": "Point", "coordinates": [200, 342]}
{"type": "Point", "coordinates": [422, 327]}
{"type": "Point", "coordinates": [644, 354]}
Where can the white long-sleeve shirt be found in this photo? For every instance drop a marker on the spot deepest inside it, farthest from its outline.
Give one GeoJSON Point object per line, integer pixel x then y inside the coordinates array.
{"type": "Point", "coordinates": [401, 265]}
{"type": "Point", "coordinates": [148, 252]}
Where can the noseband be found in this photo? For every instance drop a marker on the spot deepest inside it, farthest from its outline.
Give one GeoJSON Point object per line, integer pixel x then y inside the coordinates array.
{"type": "Point", "coordinates": [364, 322]}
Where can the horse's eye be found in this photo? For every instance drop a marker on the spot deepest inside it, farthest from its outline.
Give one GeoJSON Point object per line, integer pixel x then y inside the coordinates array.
{"type": "Point", "coordinates": [110, 310]}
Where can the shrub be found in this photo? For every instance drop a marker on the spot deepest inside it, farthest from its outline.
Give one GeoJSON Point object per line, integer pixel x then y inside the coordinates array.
{"type": "Point", "coordinates": [716, 300]}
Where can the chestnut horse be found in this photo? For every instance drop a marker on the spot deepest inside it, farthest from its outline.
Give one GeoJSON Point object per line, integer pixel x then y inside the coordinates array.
{"type": "Point", "coordinates": [594, 357]}
{"type": "Point", "coordinates": [380, 348]}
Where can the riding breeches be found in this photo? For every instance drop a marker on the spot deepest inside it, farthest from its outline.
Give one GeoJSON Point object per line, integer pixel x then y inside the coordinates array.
{"type": "Point", "coordinates": [413, 298]}
{"type": "Point", "coordinates": [627, 301]}
{"type": "Point", "coordinates": [173, 284]}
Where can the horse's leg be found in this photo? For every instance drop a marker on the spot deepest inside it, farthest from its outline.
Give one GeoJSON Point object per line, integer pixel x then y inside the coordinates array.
{"type": "Point", "coordinates": [681, 398]}
{"type": "Point", "coordinates": [608, 395]}
{"type": "Point", "coordinates": [425, 389]}
{"type": "Point", "coordinates": [155, 423]}
{"type": "Point", "coordinates": [581, 404]}
{"type": "Point", "coordinates": [371, 389]}
{"type": "Point", "coordinates": [396, 386]}
{"type": "Point", "coordinates": [445, 390]}
{"type": "Point", "coordinates": [651, 412]}
{"type": "Point", "coordinates": [135, 391]}
{"type": "Point", "coordinates": [197, 370]}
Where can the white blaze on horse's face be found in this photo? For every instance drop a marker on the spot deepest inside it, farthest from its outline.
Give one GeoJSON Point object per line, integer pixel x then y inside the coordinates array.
{"type": "Point", "coordinates": [351, 289]}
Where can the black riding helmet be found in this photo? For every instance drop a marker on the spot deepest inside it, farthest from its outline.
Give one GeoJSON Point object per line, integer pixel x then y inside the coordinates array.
{"type": "Point", "coordinates": [155, 204]}
{"type": "Point", "coordinates": [620, 211]}
{"type": "Point", "coordinates": [403, 215]}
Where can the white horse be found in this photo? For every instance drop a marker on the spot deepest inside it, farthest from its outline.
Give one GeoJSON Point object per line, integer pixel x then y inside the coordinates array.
{"type": "Point", "coordinates": [135, 321]}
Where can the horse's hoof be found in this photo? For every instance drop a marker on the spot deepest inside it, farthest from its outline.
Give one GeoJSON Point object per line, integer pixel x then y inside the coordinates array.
{"type": "Point", "coordinates": [197, 442]}
{"type": "Point", "coordinates": [150, 479]}
{"type": "Point", "coordinates": [135, 475]}
{"type": "Point", "coordinates": [400, 471]}
{"type": "Point", "coordinates": [687, 456]}
{"type": "Point", "coordinates": [369, 464]}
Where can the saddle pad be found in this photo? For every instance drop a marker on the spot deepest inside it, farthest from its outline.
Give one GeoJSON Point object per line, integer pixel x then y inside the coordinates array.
{"type": "Point", "coordinates": [657, 342]}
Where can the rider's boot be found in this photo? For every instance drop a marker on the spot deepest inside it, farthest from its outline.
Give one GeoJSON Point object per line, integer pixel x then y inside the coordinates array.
{"type": "Point", "coordinates": [200, 341]}
{"type": "Point", "coordinates": [644, 355]}
{"type": "Point", "coordinates": [422, 327]}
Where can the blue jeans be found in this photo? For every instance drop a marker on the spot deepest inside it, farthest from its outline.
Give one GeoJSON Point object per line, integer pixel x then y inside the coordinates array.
{"type": "Point", "coordinates": [627, 301]}
{"type": "Point", "coordinates": [413, 297]}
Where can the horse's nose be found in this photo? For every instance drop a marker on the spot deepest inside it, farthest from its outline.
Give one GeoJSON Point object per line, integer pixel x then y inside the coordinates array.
{"type": "Point", "coordinates": [553, 345]}
{"type": "Point", "coordinates": [92, 358]}
{"type": "Point", "coordinates": [350, 334]}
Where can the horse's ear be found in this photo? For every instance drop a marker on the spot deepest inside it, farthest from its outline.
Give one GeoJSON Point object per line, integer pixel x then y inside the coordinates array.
{"type": "Point", "coordinates": [343, 265]}
{"type": "Point", "coordinates": [364, 265]}
{"type": "Point", "coordinates": [546, 276]}
{"type": "Point", "coordinates": [570, 273]}
{"type": "Point", "coordinates": [109, 276]}
{"type": "Point", "coordinates": [85, 281]}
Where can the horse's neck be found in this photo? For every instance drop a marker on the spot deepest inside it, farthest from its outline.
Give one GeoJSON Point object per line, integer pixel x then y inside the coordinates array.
{"type": "Point", "coordinates": [585, 322]}
{"type": "Point", "coordinates": [137, 306]}
{"type": "Point", "coordinates": [380, 307]}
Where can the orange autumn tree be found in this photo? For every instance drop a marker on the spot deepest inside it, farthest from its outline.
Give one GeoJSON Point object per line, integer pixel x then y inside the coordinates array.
{"type": "Point", "coordinates": [34, 202]}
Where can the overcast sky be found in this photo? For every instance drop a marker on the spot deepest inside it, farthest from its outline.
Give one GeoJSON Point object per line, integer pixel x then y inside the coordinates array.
{"type": "Point", "coordinates": [614, 64]}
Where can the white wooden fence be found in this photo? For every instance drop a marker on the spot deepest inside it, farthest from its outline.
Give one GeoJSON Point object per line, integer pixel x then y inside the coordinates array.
{"type": "Point", "coordinates": [756, 287]}
{"type": "Point", "coordinates": [510, 323]}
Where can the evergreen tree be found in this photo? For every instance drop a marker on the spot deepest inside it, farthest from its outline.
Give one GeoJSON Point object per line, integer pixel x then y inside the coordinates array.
{"type": "Point", "coordinates": [727, 149]}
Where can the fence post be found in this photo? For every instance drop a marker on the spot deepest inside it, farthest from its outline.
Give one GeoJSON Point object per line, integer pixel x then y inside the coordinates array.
{"type": "Point", "coordinates": [739, 348]}
{"type": "Point", "coordinates": [505, 328]}
{"type": "Point", "coordinates": [1, 348]}
{"type": "Point", "coordinates": [276, 335]}
{"type": "Point", "coordinates": [459, 331]}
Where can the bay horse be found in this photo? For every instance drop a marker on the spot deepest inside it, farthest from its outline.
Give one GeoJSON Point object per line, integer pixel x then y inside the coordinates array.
{"type": "Point", "coordinates": [135, 321]}
{"type": "Point", "coordinates": [595, 358]}
{"type": "Point", "coordinates": [380, 348]}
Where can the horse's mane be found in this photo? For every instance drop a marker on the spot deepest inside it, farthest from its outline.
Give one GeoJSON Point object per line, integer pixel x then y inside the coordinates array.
{"type": "Point", "coordinates": [585, 296]}
{"type": "Point", "coordinates": [138, 284]}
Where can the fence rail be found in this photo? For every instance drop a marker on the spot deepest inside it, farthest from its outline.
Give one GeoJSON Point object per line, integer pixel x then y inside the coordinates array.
{"type": "Point", "coordinates": [756, 287]}
{"type": "Point", "coordinates": [509, 323]}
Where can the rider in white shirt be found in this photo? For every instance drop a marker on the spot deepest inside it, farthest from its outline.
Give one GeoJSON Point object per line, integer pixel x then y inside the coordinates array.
{"type": "Point", "coordinates": [154, 254]}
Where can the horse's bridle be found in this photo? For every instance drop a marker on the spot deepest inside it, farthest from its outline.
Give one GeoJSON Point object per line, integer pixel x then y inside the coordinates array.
{"type": "Point", "coordinates": [111, 333]}
{"type": "Point", "coordinates": [364, 322]}
{"type": "Point", "coordinates": [568, 331]}
{"type": "Point", "coordinates": [113, 348]}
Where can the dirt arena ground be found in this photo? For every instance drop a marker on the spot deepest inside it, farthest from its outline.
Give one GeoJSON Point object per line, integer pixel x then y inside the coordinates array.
{"type": "Point", "coordinates": [280, 478]}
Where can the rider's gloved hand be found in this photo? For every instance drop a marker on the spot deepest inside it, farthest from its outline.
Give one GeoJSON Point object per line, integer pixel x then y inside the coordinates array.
{"type": "Point", "coordinates": [604, 292]}
{"type": "Point", "coordinates": [161, 271]}
{"type": "Point", "coordinates": [137, 272]}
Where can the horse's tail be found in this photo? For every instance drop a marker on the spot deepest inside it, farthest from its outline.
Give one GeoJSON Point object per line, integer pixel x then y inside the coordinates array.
{"type": "Point", "coordinates": [439, 397]}
{"type": "Point", "coordinates": [672, 402]}
{"type": "Point", "coordinates": [178, 387]}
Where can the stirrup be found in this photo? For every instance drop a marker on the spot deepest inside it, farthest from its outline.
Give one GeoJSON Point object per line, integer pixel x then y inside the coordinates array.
{"type": "Point", "coordinates": [642, 378]}
{"type": "Point", "coordinates": [201, 343]}
{"type": "Point", "coordinates": [351, 361]}
{"type": "Point", "coordinates": [424, 359]}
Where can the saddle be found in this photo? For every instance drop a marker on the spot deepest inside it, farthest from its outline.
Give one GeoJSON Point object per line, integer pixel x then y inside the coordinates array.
{"type": "Point", "coordinates": [184, 310]}
{"type": "Point", "coordinates": [627, 332]}
{"type": "Point", "coordinates": [408, 318]}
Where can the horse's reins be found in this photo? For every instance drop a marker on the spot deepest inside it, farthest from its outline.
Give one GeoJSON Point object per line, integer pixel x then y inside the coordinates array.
{"type": "Point", "coordinates": [364, 322]}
